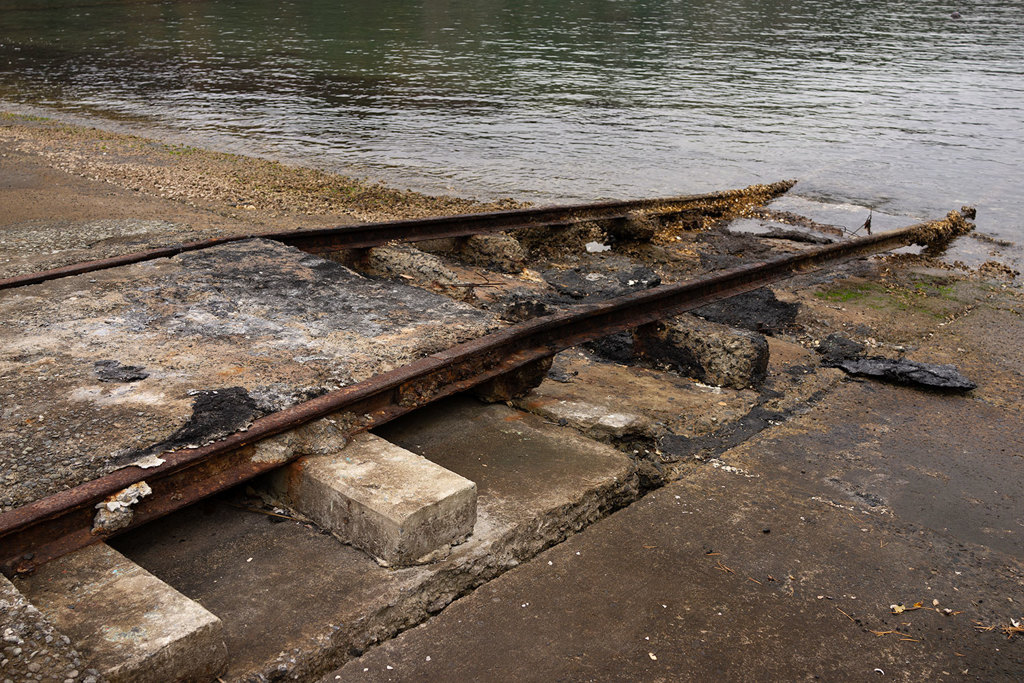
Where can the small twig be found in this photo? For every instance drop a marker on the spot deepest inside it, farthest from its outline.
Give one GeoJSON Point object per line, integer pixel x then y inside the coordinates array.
{"type": "Point", "coordinates": [1011, 631]}
{"type": "Point", "coordinates": [751, 578]}
{"type": "Point", "coordinates": [883, 633]}
{"type": "Point", "coordinates": [912, 640]}
{"type": "Point", "coordinates": [723, 568]}
{"type": "Point", "coordinates": [475, 284]}
{"type": "Point", "coordinates": [261, 511]}
{"type": "Point", "coordinates": [847, 615]}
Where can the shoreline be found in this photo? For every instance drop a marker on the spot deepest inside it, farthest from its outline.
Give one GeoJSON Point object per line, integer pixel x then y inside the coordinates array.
{"type": "Point", "coordinates": [67, 178]}
{"type": "Point", "coordinates": [177, 192]}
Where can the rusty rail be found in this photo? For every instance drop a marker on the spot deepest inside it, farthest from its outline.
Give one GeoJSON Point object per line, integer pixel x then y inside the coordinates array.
{"type": "Point", "coordinates": [325, 240]}
{"type": "Point", "coordinates": [61, 523]}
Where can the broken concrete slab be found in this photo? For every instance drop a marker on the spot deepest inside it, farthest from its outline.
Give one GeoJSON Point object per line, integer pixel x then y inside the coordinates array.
{"type": "Point", "coordinates": [629, 404]}
{"type": "Point", "coordinates": [31, 648]}
{"type": "Point", "coordinates": [224, 335]}
{"type": "Point", "coordinates": [379, 497]}
{"type": "Point", "coordinates": [537, 485]}
{"type": "Point", "coordinates": [713, 353]}
{"type": "Point", "coordinates": [126, 622]}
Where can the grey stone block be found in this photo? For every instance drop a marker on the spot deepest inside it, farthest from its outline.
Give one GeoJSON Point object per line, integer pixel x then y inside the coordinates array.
{"type": "Point", "coordinates": [394, 504]}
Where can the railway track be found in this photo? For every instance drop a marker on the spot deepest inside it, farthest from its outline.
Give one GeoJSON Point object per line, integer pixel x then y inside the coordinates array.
{"type": "Point", "coordinates": [552, 218]}
{"type": "Point", "coordinates": [63, 522]}
{"type": "Point", "coordinates": [43, 531]}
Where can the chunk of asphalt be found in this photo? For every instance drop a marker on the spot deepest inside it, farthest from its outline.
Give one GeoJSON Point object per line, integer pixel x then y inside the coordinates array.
{"type": "Point", "coordinates": [836, 348]}
{"type": "Point", "coordinates": [113, 371]}
{"type": "Point", "coordinates": [757, 311]}
{"type": "Point", "coordinates": [215, 414]}
{"type": "Point", "coordinates": [913, 373]}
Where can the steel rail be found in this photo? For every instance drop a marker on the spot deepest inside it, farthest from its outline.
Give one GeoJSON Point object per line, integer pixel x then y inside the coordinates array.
{"type": "Point", "coordinates": [325, 240]}
{"type": "Point", "coordinates": [50, 527]}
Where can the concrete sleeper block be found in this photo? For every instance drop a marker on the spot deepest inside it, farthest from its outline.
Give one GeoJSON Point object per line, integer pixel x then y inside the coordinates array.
{"type": "Point", "coordinates": [396, 505]}
{"type": "Point", "coordinates": [124, 621]}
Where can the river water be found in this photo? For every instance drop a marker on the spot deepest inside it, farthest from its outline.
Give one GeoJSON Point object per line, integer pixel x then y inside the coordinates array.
{"type": "Point", "coordinates": [885, 104]}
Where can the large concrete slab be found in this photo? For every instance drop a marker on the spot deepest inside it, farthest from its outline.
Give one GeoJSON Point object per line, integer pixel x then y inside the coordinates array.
{"type": "Point", "coordinates": [295, 602]}
{"type": "Point", "coordinates": [395, 505]}
{"type": "Point", "coordinates": [126, 622]}
{"type": "Point", "coordinates": [99, 370]}
{"type": "Point", "coordinates": [782, 564]}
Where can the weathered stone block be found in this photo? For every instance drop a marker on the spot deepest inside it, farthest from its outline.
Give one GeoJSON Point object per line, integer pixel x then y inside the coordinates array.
{"type": "Point", "coordinates": [636, 226]}
{"type": "Point", "coordinates": [415, 267]}
{"type": "Point", "coordinates": [126, 622]}
{"type": "Point", "coordinates": [502, 253]}
{"type": "Point", "coordinates": [394, 504]}
{"type": "Point", "coordinates": [514, 384]}
{"type": "Point", "coordinates": [712, 353]}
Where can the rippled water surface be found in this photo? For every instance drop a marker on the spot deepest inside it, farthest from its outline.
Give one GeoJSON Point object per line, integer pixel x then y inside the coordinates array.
{"type": "Point", "coordinates": [886, 104]}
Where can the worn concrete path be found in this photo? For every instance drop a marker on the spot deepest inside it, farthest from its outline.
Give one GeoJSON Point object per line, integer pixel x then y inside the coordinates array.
{"type": "Point", "coordinates": [768, 572]}
{"type": "Point", "coordinates": [783, 559]}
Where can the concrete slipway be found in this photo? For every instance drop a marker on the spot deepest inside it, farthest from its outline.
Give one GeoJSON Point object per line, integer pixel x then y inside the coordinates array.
{"type": "Point", "coordinates": [801, 522]}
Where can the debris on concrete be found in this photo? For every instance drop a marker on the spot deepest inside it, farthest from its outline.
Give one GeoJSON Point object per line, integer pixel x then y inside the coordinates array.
{"type": "Point", "coordinates": [116, 511]}
{"type": "Point", "coordinates": [596, 247]}
{"type": "Point", "coordinates": [903, 371]}
{"type": "Point", "coordinates": [113, 371]}
{"type": "Point", "coordinates": [712, 353]}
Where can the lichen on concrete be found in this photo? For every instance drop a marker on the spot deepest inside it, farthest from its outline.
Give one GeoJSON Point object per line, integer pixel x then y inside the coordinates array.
{"type": "Point", "coordinates": [223, 335]}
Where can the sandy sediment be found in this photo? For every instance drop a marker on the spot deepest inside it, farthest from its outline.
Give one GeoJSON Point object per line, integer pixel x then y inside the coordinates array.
{"type": "Point", "coordinates": [72, 193]}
